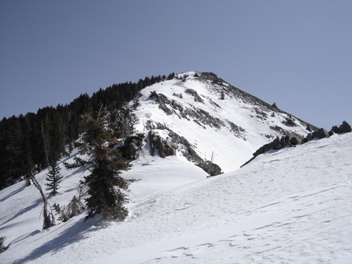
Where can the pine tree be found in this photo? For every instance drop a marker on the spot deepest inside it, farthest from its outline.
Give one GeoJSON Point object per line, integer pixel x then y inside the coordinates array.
{"type": "Point", "coordinates": [53, 178]}
{"type": "Point", "coordinates": [105, 186]}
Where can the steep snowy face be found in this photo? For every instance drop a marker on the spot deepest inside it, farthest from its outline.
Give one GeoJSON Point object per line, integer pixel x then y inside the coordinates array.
{"type": "Point", "coordinates": [219, 122]}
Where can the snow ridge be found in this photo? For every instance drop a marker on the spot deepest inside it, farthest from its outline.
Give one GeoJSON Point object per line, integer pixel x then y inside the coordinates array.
{"type": "Point", "coordinates": [215, 117]}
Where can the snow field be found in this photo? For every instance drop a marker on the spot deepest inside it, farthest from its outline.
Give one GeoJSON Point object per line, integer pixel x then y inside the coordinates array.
{"type": "Point", "coordinates": [290, 206]}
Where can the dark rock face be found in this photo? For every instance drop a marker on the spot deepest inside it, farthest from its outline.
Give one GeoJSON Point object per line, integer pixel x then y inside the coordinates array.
{"type": "Point", "coordinates": [211, 168]}
{"type": "Point", "coordinates": [131, 147]}
{"type": "Point", "coordinates": [320, 133]}
{"type": "Point", "coordinates": [197, 98]}
{"type": "Point", "coordinates": [343, 128]}
{"type": "Point", "coordinates": [296, 140]}
{"type": "Point", "coordinates": [238, 131]}
{"type": "Point", "coordinates": [162, 146]}
{"type": "Point", "coordinates": [168, 148]}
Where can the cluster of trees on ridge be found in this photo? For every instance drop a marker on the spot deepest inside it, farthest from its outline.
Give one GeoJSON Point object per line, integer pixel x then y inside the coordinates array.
{"type": "Point", "coordinates": [30, 143]}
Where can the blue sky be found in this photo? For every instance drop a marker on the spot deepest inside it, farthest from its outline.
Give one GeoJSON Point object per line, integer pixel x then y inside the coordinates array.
{"type": "Point", "coordinates": [295, 53]}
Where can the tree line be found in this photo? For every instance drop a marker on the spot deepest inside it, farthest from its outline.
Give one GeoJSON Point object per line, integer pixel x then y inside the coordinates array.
{"type": "Point", "coordinates": [30, 143]}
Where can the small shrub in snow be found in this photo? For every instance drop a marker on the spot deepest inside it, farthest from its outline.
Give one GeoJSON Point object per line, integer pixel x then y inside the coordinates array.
{"type": "Point", "coordinates": [75, 207]}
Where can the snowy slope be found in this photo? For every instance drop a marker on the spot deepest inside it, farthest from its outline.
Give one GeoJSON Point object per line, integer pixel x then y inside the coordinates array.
{"type": "Point", "coordinates": [231, 128]}
{"type": "Point", "coordinates": [289, 206]}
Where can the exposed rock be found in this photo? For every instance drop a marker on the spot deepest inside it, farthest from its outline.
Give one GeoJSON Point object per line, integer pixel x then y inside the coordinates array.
{"type": "Point", "coordinates": [204, 117]}
{"type": "Point", "coordinates": [343, 128]}
{"type": "Point", "coordinates": [196, 97]}
{"type": "Point", "coordinates": [320, 133]}
{"type": "Point", "coordinates": [295, 140]}
{"type": "Point", "coordinates": [131, 147]}
{"type": "Point", "coordinates": [187, 150]}
{"type": "Point", "coordinates": [289, 122]}
{"type": "Point", "coordinates": [276, 144]}
{"type": "Point", "coordinates": [238, 131]}
{"type": "Point", "coordinates": [165, 148]}
{"type": "Point", "coordinates": [162, 100]}
{"type": "Point", "coordinates": [309, 136]}
{"type": "Point", "coordinates": [159, 144]}
{"type": "Point", "coordinates": [209, 167]}
{"type": "Point", "coordinates": [266, 147]}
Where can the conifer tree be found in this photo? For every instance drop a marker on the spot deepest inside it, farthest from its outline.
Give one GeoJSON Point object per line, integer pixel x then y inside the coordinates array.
{"type": "Point", "coordinates": [53, 178]}
{"type": "Point", "coordinates": [105, 186]}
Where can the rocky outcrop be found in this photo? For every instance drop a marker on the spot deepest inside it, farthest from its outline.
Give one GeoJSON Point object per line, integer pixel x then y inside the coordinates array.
{"type": "Point", "coordinates": [168, 147]}
{"type": "Point", "coordinates": [320, 133]}
{"type": "Point", "coordinates": [209, 167]}
{"type": "Point", "coordinates": [131, 147]}
{"type": "Point", "coordinates": [159, 144]}
{"type": "Point", "coordinates": [343, 128]}
{"type": "Point", "coordinates": [285, 141]}
{"type": "Point", "coordinates": [195, 95]}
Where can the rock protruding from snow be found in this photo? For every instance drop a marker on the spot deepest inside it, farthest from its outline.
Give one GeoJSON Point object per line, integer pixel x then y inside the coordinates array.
{"type": "Point", "coordinates": [214, 116]}
{"type": "Point", "coordinates": [285, 141]}
{"type": "Point", "coordinates": [159, 144]}
{"type": "Point", "coordinates": [211, 168]}
{"type": "Point", "coordinates": [320, 133]}
{"type": "Point", "coordinates": [343, 128]}
{"type": "Point", "coordinates": [131, 147]}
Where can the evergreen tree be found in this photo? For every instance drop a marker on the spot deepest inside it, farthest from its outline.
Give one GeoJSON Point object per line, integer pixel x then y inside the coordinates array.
{"type": "Point", "coordinates": [53, 178]}
{"type": "Point", "coordinates": [29, 143]}
{"type": "Point", "coordinates": [105, 186]}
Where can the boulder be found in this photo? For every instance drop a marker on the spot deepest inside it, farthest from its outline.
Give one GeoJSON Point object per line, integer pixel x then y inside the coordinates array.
{"type": "Point", "coordinates": [295, 141]}
{"type": "Point", "coordinates": [320, 133]}
{"type": "Point", "coordinates": [131, 146]}
{"type": "Point", "coordinates": [161, 145]}
{"type": "Point", "coordinates": [211, 168]}
{"type": "Point", "coordinates": [343, 128]}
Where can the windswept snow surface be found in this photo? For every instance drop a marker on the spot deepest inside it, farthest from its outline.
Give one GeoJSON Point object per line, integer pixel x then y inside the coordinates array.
{"type": "Point", "coordinates": [289, 206]}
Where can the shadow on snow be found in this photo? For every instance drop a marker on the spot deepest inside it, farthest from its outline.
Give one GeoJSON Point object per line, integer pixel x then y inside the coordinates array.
{"type": "Point", "coordinates": [69, 236]}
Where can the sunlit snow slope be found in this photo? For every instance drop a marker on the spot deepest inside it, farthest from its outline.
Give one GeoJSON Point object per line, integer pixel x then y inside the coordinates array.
{"type": "Point", "coordinates": [289, 206]}
{"type": "Point", "coordinates": [217, 119]}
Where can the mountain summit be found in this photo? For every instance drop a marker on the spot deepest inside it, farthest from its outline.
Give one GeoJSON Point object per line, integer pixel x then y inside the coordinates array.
{"type": "Point", "coordinates": [204, 118]}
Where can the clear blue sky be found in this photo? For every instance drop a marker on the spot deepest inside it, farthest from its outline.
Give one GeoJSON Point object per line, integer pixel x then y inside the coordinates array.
{"type": "Point", "coordinates": [295, 53]}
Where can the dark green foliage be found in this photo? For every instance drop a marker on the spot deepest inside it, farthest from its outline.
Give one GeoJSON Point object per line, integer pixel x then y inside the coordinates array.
{"type": "Point", "coordinates": [30, 142]}
{"type": "Point", "coordinates": [105, 186]}
{"type": "Point", "coordinates": [122, 121]}
{"type": "Point", "coordinates": [53, 178]}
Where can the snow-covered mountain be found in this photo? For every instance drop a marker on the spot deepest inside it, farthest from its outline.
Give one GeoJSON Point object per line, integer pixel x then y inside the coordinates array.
{"type": "Point", "coordinates": [291, 205]}
{"type": "Point", "coordinates": [218, 120]}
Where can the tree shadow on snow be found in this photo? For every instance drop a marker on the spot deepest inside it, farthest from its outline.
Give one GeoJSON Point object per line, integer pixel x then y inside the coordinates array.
{"type": "Point", "coordinates": [13, 193]}
{"type": "Point", "coordinates": [24, 210]}
{"type": "Point", "coordinates": [69, 236]}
